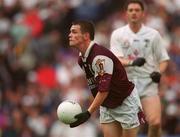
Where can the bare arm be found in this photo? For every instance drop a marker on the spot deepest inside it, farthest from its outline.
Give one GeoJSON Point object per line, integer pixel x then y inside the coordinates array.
{"type": "Point", "coordinates": [124, 62]}
{"type": "Point", "coordinates": [136, 62]}
{"type": "Point", "coordinates": [156, 76]}
{"type": "Point", "coordinates": [98, 100]}
{"type": "Point", "coordinates": [163, 65]}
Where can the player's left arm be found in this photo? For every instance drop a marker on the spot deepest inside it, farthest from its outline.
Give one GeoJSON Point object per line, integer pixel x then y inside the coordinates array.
{"type": "Point", "coordinates": [84, 116]}
{"type": "Point", "coordinates": [103, 68]}
{"type": "Point", "coordinates": [163, 66]}
{"type": "Point", "coordinates": [98, 100]}
{"type": "Point", "coordinates": [161, 56]}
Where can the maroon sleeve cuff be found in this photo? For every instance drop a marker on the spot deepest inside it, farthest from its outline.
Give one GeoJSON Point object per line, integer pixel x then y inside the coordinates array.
{"type": "Point", "coordinates": [103, 82]}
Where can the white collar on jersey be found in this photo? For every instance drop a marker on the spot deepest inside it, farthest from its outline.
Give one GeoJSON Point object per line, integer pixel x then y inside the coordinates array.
{"type": "Point", "coordinates": [141, 30]}
{"type": "Point", "coordinates": [87, 50]}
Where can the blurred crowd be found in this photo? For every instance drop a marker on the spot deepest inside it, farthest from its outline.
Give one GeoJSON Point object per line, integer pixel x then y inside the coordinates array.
{"type": "Point", "coordinates": [38, 70]}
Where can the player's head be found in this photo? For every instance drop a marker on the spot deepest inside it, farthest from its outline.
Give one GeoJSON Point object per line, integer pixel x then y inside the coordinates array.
{"type": "Point", "coordinates": [81, 31]}
{"type": "Point", "coordinates": [139, 2]}
{"type": "Point", "coordinates": [134, 10]}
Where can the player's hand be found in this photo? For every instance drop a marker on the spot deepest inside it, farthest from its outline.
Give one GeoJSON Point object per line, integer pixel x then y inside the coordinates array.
{"type": "Point", "coordinates": [155, 76]}
{"type": "Point", "coordinates": [81, 118]}
{"type": "Point", "coordinates": [138, 62]}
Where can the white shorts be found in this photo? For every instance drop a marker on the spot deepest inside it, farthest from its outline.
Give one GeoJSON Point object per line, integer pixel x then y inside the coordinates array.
{"type": "Point", "coordinates": [128, 114]}
{"type": "Point", "coordinates": [146, 87]}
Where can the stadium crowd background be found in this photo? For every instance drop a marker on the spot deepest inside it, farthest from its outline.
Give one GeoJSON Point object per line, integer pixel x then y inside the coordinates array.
{"type": "Point", "coordinates": [38, 70]}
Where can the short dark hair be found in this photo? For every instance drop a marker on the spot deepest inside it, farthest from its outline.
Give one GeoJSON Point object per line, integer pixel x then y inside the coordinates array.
{"type": "Point", "coordinates": [86, 26]}
{"type": "Point", "coordinates": [140, 2]}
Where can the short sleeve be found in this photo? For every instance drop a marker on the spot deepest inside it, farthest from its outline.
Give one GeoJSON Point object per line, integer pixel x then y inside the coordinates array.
{"type": "Point", "coordinates": [103, 68]}
{"type": "Point", "coordinates": [159, 49]}
{"type": "Point", "coordinates": [115, 45]}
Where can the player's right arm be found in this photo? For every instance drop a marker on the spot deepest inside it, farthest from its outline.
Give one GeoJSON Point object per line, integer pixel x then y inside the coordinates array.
{"type": "Point", "coordinates": [125, 62]}
{"type": "Point", "coordinates": [116, 48]}
{"type": "Point", "coordinates": [161, 56]}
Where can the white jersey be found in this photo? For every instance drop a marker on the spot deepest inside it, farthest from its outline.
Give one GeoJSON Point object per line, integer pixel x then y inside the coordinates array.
{"type": "Point", "coordinates": [146, 43]}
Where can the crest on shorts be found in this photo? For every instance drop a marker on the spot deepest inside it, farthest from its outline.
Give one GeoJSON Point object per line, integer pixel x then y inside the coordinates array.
{"type": "Point", "coordinates": [100, 66]}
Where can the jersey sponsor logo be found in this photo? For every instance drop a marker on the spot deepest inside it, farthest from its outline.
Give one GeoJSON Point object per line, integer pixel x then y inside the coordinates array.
{"type": "Point", "coordinates": [91, 82]}
{"type": "Point", "coordinates": [91, 87]}
{"type": "Point", "coordinates": [100, 66]}
{"type": "Point", "coordinates": [87, 67]}
{"type": "Point", "coordinates": [146, 42]}
{"type": "Point", "coordinates": [90, 69]}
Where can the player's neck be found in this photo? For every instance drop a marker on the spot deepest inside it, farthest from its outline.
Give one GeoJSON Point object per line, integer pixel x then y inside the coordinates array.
{"type": "Point", "coordinates": [84, 47]}
{"type": "Point", "coordinates": [135, 27]}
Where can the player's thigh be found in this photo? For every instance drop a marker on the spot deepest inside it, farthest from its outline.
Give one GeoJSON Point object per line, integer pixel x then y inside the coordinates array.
{"type": "Point", "coordinates": [130, 132]}
{"type": "Point", "coordinates": [112, 129]}
{"type": "Point", "coordinates": [152, 109]}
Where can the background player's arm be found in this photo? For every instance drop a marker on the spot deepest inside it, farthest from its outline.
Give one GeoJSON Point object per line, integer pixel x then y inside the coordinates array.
{"type": "Point", "coordinates": [162, 66]}
{"type": "Point", "coordinates": [156, 76]}
{"type": "Point", "coordinates": [137, 62]}
{"type": "Point", "coordinates": [116, 48]}
{"type": "Point", "coordinates": [162, 57]}
{"type": "Point", "coordinates": [124, 62]}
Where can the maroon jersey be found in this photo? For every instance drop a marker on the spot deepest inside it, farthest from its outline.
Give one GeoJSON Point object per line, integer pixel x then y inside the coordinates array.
{"type": "Point", "coordinates": [105, 73]}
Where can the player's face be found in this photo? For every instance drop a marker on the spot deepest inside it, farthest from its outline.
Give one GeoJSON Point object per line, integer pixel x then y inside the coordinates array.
{"type": "Point", "coordinates": [134, 13]}
{"type": "Point", "coordinates": [76, 37]}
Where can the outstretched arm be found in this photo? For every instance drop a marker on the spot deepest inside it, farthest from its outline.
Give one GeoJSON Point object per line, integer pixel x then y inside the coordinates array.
{"type": "Point", "coordinates": [98, 100]}
{"type": "Point", "coordinates": [137, 62]}
{"type": "Point", "coordinates": [163, 65]}
{"type": "Point", "coordinates": [156, 76]}
{"type": "Point", "coordinates": [84, 116]}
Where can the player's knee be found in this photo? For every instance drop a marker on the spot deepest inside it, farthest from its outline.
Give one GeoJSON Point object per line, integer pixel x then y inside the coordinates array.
{"type": "Point", "coordinates": [155, 122]}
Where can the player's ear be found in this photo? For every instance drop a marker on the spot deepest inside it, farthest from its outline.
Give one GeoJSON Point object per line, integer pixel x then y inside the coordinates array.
{"type": "Point", "coordinates": [86, 35]}
{"type": "Point", "coordinates": [144, 14]}
{"type": "Point", "coordinates": [126, 15]}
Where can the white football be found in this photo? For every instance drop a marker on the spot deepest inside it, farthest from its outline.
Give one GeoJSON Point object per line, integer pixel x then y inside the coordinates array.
{"type": "Point", "coordinates": [67, 110]}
